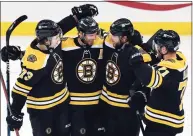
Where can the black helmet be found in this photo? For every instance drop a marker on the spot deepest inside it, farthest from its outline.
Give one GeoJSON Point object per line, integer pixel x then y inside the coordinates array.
{"type": "Point", "coordinates": [168, 38]}
{"type": "Point", "coordinates": [47, 28]}
{"type": "Point", "coordinates": [88, 25]}
{"type": "Point", "coordinates": [122, 27]}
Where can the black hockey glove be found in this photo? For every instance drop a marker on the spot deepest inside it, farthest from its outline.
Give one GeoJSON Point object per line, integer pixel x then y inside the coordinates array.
{"type": "Point", "coordinates": [10, 52]}
{"type": "Point", "coordinates": [138, 101]}
{"type": "Point", "coordinates": [135, 57]}
{"type": "Point", "coordinates": [137, 38]}
{"type": "Point", "coordinates": [84, 11]}
{"type": "Point", "coordinates": [15, 120]}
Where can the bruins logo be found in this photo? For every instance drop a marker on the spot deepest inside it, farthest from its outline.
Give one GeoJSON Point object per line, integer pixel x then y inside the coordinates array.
{"type": "Point", "coordinates": [86, 70]}
{"type": "Point", "coordinates": [112, 73]}
{"type": "Point", "coordinates": [57, 73]}
{"type": "Point", "coordinates": [31, 58]}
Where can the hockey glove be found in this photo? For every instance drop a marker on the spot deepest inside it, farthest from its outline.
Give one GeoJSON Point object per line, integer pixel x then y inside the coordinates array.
{"type": "Point", "coordinates": [10, 52]}
{"type": "Point", "coordinates": [15, 121]}
{"type": "Point", "coordinates": [135, 57]}
{"type": "Point", "coordinates": [137, 39]}
{"type": "Point", "coordinates": [84, 11]}
{"type": "Point", "coordinates": [138, 101]}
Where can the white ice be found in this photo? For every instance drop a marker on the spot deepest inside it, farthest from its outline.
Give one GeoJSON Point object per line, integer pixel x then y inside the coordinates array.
{"type": "Point", "coordinates": [185, 47]}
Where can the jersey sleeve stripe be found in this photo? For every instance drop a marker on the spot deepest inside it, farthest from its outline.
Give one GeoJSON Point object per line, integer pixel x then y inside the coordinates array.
{"type": "Point", "coordinates": [20, 89]}
{"type": "Point", "coordinates": [18, 92]}
{"type": "Point", "coordinates": [160, 80]}
{"type": "Point", "coordinates": [156, 80]}
{"type": "Point", "coordinates": [23, 86]}
{"type": "Point", "coordinates": [152, 79]}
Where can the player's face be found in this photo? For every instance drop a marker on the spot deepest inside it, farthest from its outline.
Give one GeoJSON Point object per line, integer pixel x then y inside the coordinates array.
{"type": "Point", "coordinates": [55, 41]}
{"type": "Point", "coordinates": [116, 40]}
{"type": "Point", "coordinates": [89, 38]}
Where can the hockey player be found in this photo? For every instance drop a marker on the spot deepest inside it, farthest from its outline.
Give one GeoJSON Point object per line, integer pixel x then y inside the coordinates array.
{"type": "Point", "coordinates": [42, 83]}
{"type": "Point", "coordinates": [118, 116]}
{"type": "Point", "coordinates": [168, 80]}
{"type": "Point", "coordinates": [82, 69]}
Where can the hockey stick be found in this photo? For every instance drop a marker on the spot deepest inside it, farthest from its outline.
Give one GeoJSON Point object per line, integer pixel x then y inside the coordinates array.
{"type": "Point", "coordinates": [6, 96]}
{"type": "Point", "coordinates": [140, 122]}
{"type": "Point", "coordinates": [8, 34]}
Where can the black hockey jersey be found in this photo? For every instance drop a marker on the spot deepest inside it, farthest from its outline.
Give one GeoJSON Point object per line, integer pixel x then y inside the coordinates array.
{"type": "Point", "coordinates": [168, 79]}
{"type": "Point", "coordinates": [82, 71]}
{"type": "Point", "coordinates": [119, 74]}
{"type": "Point", "coordinates": [41, 83]}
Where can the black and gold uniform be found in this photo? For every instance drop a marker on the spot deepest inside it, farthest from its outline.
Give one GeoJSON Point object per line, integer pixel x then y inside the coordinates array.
{"type": "Point", "coordinates": [36, 66]}
{"type": "Point", "coordinates": [118, 117]}
{"type": "Point", "coordinates": [168, 80]}
{"type": "Point", "coordinates": [42, 83]}
{"type": "Point", "coordinates": [82, 70]}
{"type": "Point", "coordinates": [42, 86]}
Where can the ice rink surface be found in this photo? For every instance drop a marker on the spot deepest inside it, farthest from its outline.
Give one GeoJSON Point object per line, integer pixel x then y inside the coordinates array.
{"type": "Point", "coordinates": [185, 47]}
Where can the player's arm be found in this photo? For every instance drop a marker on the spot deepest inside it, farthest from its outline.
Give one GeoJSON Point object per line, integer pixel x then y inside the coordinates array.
{"type": "Point", "coordinates": [27, 79]}
{"type": "Point", "coordinates": [82, 11]}
{"type": "Point", "coordinates": [148, 75]}
{"type": "Point", "coordinates": [137, 39]}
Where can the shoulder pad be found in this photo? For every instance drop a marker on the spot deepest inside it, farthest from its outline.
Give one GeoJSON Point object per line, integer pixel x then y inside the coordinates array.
{"type": "Point", "coordinates": [146, 56]}
{"type": "Point", "coordinates": [34, 59]}
{"type": "Point", "coordinates": [180, 55]}
{"type": "Point", "coordinates": [68, 44]}
{"type": "Point", "coordinates": [175, 64]}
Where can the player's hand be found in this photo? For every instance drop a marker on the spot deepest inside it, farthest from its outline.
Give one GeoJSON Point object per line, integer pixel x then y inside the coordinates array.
{"type": "Point", "coordinates": [15, 121]}
{"type": "Point", "coordinates": [138, 101]}
{"type": "Point", "coordinates": [10, 52]}
{"type": "Point", "coordinates": [137, 38]}
{"type": "Point", "coordinates": [135, 57]}
{"type": "Point", "coordinates": [84, 11]}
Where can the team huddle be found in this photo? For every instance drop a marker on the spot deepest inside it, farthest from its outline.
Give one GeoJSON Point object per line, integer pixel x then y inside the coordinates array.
{"type": "Point", "coordinates": [98, 83]}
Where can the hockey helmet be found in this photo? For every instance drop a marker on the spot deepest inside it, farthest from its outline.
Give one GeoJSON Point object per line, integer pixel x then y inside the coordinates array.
{"type": "Point", "coordinates": [88, 25]}
{"type": "Point", "coordinates": [122, 27]}
{"type": "Point", "coordinates": [47, 28]}
{"type": "Point", "coordinates": [168, 38]}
